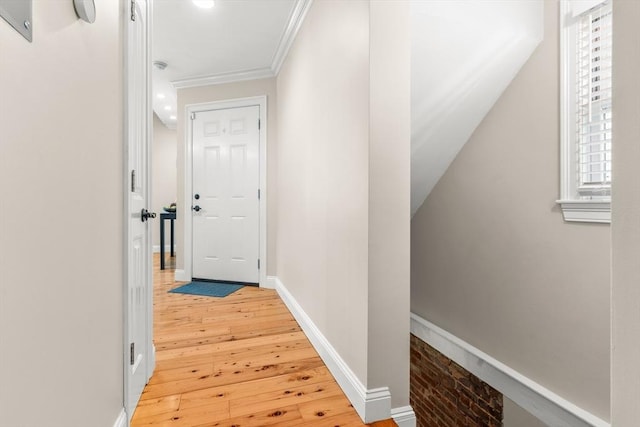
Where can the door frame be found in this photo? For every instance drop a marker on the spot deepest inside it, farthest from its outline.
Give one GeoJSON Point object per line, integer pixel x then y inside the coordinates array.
{"type": "Point", "coordinates": [128, 47]}
{"type": "Point", "coordinates": [260, 101]}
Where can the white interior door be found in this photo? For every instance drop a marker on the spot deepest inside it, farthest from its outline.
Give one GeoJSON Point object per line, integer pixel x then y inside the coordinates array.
{"type": "Point", "coordinates": [225, 199]}
{"type": "Point", "coordinates": [138, 366]}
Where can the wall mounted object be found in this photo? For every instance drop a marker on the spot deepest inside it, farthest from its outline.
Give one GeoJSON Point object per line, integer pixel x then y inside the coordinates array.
{"type": "Point", "coordinates": [86, 10]}
{"type": "Point", "coordinates": [18, 15]}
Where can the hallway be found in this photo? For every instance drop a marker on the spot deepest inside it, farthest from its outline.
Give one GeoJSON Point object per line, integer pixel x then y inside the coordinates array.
{"type": "Point", "coordinates": [237, 361]}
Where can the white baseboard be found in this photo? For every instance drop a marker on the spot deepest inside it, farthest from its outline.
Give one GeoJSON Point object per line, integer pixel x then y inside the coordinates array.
{"type": "Point", "coordinates": [371, 405]}
{"type": "Point", "coordinates": [121, 421]}
{"type": "Point", "coordinates": [541, 402]}
{"type": "Point", "coordinates": [167, 249]}
{"type": "Point", "coordinates": [152, 362]}
{"type": "Point", "coordinates": [270, 283]}
{"type": "Point", "coordinates": [404, 416]}
{"type": "Point", "coordinates": [181, 276]}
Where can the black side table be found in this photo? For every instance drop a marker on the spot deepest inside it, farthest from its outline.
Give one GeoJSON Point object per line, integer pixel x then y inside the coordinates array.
{"type": "Point", "coordinates": [171, 216]}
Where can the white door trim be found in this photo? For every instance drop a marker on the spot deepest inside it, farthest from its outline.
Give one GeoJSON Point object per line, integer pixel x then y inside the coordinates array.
{"type": "Point", "coordinates": [127, 46]}
{"type": "Point", "coordinates": [260, 101]}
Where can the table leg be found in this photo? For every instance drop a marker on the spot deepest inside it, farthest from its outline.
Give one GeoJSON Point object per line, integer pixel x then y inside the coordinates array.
{"type": "Point", "coordinates": [172, 221]}
{"type": "Point", "coordinates": [161, 243]}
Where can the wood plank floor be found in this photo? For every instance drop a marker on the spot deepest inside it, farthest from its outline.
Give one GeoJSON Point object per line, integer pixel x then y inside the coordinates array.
{"type": "Point", "coordinates": [236, 361]}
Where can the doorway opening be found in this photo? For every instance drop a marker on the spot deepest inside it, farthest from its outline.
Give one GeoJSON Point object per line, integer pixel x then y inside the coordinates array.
{"type": "Point", "coordinates": [242, 237]}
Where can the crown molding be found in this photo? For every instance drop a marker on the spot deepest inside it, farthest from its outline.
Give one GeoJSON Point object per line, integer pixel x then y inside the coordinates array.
{"type": "Point", "coordinates": [298, 14]}
{"type": "Point", "coordinates": [296, 18]}
{"type": "Point", "coordinates": [216, 79]}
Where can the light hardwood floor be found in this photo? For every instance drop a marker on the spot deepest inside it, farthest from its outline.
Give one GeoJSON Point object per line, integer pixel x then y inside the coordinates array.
{"type": "Point", "coordinates": [236, 361]}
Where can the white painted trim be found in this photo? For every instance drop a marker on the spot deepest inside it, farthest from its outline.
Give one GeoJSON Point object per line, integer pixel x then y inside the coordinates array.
{"type": "Point", "coordinates": [567, 38]}
{"type": "Point", "coordinates": [579, 7]}
{"type": "Point", "coordinates": [541, 402]}
{"type": "Point", "coordinates": [152, 361]}
{"type": "Point", "coordinates": [149, 346]}
{"type": "Point", "coordinates": [182, 276]}
{"type": "Point", "coordinates": [271, 282]}
{"type": "Point", "coordinates": [298, 14]}
{"type": "Point", "coordinates": [121, 421]}
{"type": "Point", "coordinates": [126, 232]}
{"type": "Point", "coordinates": [260, 101]}
{"type": "Point", "coordinates": [404, 416]}
{"type": "Point", "coordinates": [586, 210]}
{"type": "Point", "coordinates": [371, 405]}
{"type": "Point", "coordinates": [221, 78]}
{"type": "Point", "coordinates": [167, 249]}
{"type": "Point", "coordinates": [573, 209]}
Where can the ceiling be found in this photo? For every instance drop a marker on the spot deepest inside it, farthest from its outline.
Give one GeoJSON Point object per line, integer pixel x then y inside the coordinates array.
{"type": "Point", "coordinates": [234, 40]}
{"type": "Point", "coordinates": [479, 47]}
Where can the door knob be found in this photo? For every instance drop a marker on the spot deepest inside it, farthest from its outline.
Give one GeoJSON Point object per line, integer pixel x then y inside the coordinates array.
{"type": "Point", "coordinates": [145, 215]}
{"type": "Point", "coordinates": [196, 208]}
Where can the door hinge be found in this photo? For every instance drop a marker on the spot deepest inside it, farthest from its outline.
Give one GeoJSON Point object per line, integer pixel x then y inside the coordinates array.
{"type": "Point", "coordinates": [133, 181]}
{"type": "Point", "coordinates": [258, 263]}
{"type": "Point", "coordinates": [132, 355]}
{"type": "Point", "coordinates": [258, 124]}
{"type": "Point", "coordinates": [133, 10]}
{"type": "Point", "coordinates": [258, 194]}
{"type": "Point", "coordinates": [193, 116]}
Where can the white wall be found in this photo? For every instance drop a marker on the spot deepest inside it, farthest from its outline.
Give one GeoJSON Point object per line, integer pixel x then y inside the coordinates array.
{"type": "Point", "coordinates": [494, 263]}
{"type": "Point", "coordinates": [61, 219]}
{"type": "Point", "coordinates": [323, 172]}
{"type": "Point", "coordinates": [389, 197]}
{"type": "Point", "coordinates": [164, 175]}
{"type": "Point", "coordinates": [625, 213]}
{"type": "Point", "coordinates": [244, 89]}
{"type": "Point", "coordinates": [343, 175]}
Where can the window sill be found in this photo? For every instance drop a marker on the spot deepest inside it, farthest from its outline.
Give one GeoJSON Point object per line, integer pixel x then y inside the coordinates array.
{"type": "Point", "coordinates": [586, 210]}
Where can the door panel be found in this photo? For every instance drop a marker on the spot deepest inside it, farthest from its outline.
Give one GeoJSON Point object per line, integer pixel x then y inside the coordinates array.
{"type": "Point", "coordinates": [138, 296]}
{"type": "Point", "coordinates": [226, 229]}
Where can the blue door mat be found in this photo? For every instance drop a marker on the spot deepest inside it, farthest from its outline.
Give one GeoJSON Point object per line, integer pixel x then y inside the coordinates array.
{"type": "Point", "coordinates": [207, 289]}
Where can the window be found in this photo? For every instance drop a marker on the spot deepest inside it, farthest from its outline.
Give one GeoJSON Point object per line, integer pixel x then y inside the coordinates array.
{"type": "Point", "coordinates": [586, 119]}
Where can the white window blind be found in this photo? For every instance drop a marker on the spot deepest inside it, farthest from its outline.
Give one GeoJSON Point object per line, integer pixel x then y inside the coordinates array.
{"type": "Point", "coordinates": [593, 102]}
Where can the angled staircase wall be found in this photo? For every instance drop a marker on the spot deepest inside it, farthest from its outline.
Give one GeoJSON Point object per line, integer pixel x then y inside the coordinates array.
{"type": "Point", "coordinates": [464, 55]}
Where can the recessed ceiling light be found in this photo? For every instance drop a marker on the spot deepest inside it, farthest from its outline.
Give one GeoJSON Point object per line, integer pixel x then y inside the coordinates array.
{"type": "Point", "coordinates": [160, 96]}
{"type": "Point", "coordinates": [167, 107]}
{"type": "Point", "coordinates": [204, 4]}
{"type": "Point", "coordinates": [172, 117]}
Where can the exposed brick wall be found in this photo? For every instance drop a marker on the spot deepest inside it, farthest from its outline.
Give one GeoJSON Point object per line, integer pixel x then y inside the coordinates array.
{"type": "Point", "coordinates": [445, 394]}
